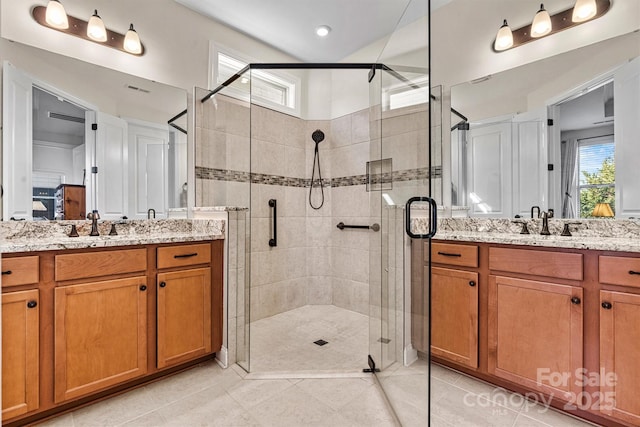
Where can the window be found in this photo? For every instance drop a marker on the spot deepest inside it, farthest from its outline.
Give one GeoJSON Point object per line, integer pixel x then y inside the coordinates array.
{"type": "Point", "coordinates": [596, 174]}
{"type": "Point", "coordinates": [406, 94]}
{"type": "Point", "coordinates": [270, 88]}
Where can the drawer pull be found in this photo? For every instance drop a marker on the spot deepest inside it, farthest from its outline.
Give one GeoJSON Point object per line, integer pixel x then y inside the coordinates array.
{"type": "Point", "coordinates": [7, 272]}
{"type": "Point", "coordinates": [606, 305]}
{"type": "Point", "coordinates": [186, 255]}
{"type": "Point", "coordinates": [472, 283]}
{"type": "Point", "coordinates": [32, 304]}
{"type": "Point", "coordinates": [143, 288]}
{"type": "Point", "coordinates": [630, 272]}
{"type": "Point", "coordinates": [575, 300]}
{"type": "Point", "coordinates": [163, 284]}
{"type": "Point", "coordinates": [449, 254]}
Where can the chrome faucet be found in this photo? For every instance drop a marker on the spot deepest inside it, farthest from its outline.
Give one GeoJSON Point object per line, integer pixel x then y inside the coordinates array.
{"type": "Point", "coordinates": [94, 217]}
{"type": "Point", "coordinates": [149, 213]}
{"type": "Point", "coordinates": [545, 224]}
{"type": "Point", "coordinates": [535, 207]}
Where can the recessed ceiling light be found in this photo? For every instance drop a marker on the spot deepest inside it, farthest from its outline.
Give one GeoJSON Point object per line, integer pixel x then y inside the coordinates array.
{"type": "Point", "coordinates": [323, 30]}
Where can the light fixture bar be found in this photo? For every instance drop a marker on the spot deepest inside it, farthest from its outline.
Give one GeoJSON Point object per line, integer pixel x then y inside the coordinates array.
{"type": "Point", "coordinates": [559, 22]}
{"type": "Point", "coordinates": [78, 28]}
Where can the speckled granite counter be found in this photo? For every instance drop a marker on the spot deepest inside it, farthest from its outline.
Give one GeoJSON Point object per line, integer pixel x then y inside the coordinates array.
{"type": "Point", "coordinates": [29, 236]}
{"type": "Point", "coordinates": [593, 234]}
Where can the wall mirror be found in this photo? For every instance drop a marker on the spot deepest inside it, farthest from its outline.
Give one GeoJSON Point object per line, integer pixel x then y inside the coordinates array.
{"type": "Point", "coordinates": [549, 134]}
{"type": "Point", "coordinates": [78, 137]}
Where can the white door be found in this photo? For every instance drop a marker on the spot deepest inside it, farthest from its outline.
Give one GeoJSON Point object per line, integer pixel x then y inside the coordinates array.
{"type": "Point", "coordinates": [148, 148]}
{"type": "Point", "coordinates": [626, 98]}
{"type": "Point", "coordinates": [108, 152]}
{"type": "Point", "coordinates": [530, 158]}
{"type": "Point", "coordinates": [489, 172]}
{"type": "Point", "coordinates": [17, 135]}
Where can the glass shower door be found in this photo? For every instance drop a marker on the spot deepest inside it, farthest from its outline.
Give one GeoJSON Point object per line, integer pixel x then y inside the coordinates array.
{"type": "Point", "coordinates": [399, 171]}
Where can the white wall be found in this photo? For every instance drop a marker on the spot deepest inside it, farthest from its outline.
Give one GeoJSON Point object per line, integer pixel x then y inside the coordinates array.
{"type": "Point", "coordinates": [463, 34]}
{"type": "Point", "coordinates": [54, 158]}
{"type": "Point", "coordinates": [176, 39]}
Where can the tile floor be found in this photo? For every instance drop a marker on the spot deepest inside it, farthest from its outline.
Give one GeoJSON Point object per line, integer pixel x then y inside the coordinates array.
{"type": "Point", "coordinates": [284, 343]}
{"type": "Point", "coordinates": [211, 396]}
{"type": "Point", "coordinates": [295, 383]}
{"type": "Point", "coordinates": [459, 400]}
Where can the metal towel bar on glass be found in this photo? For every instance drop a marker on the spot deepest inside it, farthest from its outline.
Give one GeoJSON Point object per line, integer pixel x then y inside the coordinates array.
{"type": "Point", "coordinates": [374, 227]}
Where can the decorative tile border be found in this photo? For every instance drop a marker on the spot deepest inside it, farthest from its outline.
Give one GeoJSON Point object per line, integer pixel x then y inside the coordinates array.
{"type": "Point", "coordinates": [344, 181]}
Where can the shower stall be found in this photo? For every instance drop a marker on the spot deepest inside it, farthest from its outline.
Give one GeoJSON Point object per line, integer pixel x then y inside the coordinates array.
{"type": "Point", "coordinates": [318, 265]}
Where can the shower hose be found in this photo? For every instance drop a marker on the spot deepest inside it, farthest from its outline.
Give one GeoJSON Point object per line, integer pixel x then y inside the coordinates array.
{"type": "Point", "coordinates": [316, 159]}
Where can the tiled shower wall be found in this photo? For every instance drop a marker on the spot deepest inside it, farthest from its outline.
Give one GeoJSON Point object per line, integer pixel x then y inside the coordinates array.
{"type": "Point", "coordinates": [314, 262]}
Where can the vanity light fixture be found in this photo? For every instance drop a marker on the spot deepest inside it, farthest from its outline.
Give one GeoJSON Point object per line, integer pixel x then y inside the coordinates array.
{"type": "Point", "coordinates": [56, 16]}
{"type": "Point", "coordinates": [584, 10]}
{"type": "Point", "coordinates": [94, 30]}
{"type": "Point", "coordinates": [504, 39]}
{"type": "Point", "coordinates": [132, 41]}
{"type": "Point", "coordinates": [545, 25]}
{"type": "Point", "coordinates": [541, 25]}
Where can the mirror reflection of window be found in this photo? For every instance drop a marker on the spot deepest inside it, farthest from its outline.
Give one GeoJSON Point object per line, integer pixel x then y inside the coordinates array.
{"type": "Point", "coordinates": [596, 172]}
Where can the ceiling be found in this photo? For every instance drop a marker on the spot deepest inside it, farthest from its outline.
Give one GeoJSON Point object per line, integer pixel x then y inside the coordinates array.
{"type": "Point", "coordinates": [289, 25]}
{"type": "Point", "coordinates": [67, 130]}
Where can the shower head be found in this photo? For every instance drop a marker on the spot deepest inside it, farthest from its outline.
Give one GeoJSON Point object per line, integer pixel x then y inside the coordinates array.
{"type": "Point", "coordinates": [317, 136]}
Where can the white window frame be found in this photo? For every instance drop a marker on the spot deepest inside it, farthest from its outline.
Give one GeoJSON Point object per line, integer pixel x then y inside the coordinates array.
{"type": "Point", "coordinates": [291, 83]}
{"type": "Point", "coordinates": [403, 95]}
{"type": "Point", "coordinates": [583, 142]}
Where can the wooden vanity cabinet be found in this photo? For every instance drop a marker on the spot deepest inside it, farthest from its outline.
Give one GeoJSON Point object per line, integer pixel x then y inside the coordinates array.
{"type": "Point", "coordinates": [620, 337]}
{"type": "Point", "coordinates": [619, 350]}
{"type": "Point", "coordinates": [20, 353]}
{"type": "Point", "coordinates": [535, 333]}
{"type": "Point", "coordinates": [535, 326]}
{"type": "Point", "coordinates": [454, 303]}
{"type": "Point", "coordinates": [20, 335]}
{"type": "Point", "coordinates": [82, 324]}
{"type": "Point", "coordinates": [184, 304]}
{"type": "Point", "coordinates": [100, 335]}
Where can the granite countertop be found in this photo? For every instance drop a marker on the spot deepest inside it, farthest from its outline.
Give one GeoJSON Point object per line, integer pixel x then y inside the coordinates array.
{"type": "Point", "coordinates": [30, 236]}
{"type": "Point", "coordinates": [592, 234]}
{"type": "Point", "coordinates": [622, 244]}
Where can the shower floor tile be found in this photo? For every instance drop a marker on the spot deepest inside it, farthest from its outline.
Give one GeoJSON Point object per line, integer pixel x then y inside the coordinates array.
{"type": "Point", "coordinates": [286, 342]}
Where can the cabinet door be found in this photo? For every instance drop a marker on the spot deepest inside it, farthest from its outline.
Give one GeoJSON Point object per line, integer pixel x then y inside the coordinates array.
{"type": "Point", "coordinates": [20, 366]}
{"type": "Point", "coordinates": [184, 315]}
{"type": "Point", "coordinates": [619, 349]}
{"type": "Point", "coordinates": [535, 334]}
{"type": "Point", "coordinates": [100, 335]}
{"type": "Point", "coordinates": [454, 315]}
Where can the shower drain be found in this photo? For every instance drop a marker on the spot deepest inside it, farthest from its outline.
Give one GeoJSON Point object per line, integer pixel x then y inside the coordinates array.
{"type": "Point", "coordinates": [321, 342]}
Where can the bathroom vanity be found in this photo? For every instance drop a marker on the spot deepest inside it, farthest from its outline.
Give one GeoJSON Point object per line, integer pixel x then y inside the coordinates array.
{"type": "Point", "coordinates": [555, 316]}
{"type": "Point", "coordinates": [108, 314]}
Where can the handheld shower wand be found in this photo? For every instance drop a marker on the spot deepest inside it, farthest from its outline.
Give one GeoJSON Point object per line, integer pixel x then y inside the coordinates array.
{"type": "Point", "coordinates": [318, 137]}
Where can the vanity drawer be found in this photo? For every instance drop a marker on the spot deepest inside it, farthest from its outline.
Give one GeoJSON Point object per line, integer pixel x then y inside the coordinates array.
{"type": "Point", "coordinates": [621, 271]}
{"type": "Point", "coordinates": [454, 254]}
{"type": "Point", "coordinates": [560, 265]}
{"type": "Point", "coordinates": [184, 255]}
{"type": "Point", "coordinates": [103, 263]}
{"type": "Point", "coordinates": [20, 271]}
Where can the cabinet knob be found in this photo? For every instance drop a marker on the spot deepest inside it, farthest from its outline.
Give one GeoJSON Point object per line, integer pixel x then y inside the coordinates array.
{"type": "Point", "coordinates": [143, 287]}
{"type": "Point", "coordinates": [32, 304]}
{"type": "Point", "coordinates": [472, 283]}
{"type": "Point", "coordinates": [163, 284]}
{"type": "Point", "coordinates": [575, 300]}
{"type": "Point", "coordinates": [634, 272]}
{"type": "Point", "coordinates": [606, 305]}
{"type": "Point", "coordinates": [6, 272]}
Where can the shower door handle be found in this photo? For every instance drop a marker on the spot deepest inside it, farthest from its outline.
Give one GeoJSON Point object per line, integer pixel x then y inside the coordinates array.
{"type": "Point", "coordinates": [433, 218]}
{"type": "Point", "coordinates": [273, 204]}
